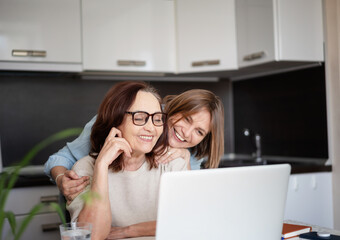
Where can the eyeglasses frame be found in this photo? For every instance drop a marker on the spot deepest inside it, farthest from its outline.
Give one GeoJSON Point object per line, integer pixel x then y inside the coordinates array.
{"type": "Point", "coordinates": [147, 118]}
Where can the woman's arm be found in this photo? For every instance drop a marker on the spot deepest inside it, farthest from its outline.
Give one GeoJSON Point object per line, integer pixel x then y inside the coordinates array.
{"type": "Point", "coordinates": [98, 211]}
{"type": "Point", "coordinates": [58, 164]}
{"type": "Point", "coordinates": [73, 151]}
{"type": "Point", "coordinates": [143, 229]}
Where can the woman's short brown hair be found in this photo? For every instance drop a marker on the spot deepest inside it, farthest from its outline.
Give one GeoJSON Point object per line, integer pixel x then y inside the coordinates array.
{"type": "Point", "coordinates": [191, 102]}
{"type": "Point", "coordinates": [111, 114]}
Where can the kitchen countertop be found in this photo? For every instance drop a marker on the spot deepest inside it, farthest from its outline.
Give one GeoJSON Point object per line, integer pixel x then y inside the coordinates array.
{"type": "Point", "coordinates": [31, 176]}
{"type": "Point", "coordinates": [34, 176]}
{"type": "Point", "coordinates": [296, 168]}
{"type": "Point", "coordinates": [299, 165]}
{"type": "Point", "coordinates": [32, 181]}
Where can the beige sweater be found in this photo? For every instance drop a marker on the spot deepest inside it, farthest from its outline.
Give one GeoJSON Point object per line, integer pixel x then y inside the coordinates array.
{"type": "Point", "coordinates": [133, 194]}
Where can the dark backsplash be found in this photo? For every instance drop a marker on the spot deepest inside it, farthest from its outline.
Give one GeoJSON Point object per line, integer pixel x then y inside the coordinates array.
{"type": "Point", "coordinates": [288, 111]}
{"type": "Point", "coordinates": [36, 105]}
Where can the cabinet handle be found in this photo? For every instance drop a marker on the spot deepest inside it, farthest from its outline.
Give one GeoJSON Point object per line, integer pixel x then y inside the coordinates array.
{"type": "Point", "coordinates": [254, 56]}
{"type": "Point", "coordinates": [131, 63]}
{"type": "Point", "coordinates": [205, 63]}
{"type": "Point", "coordinates": [48, 199]}
{"type": "Point", "coordinates": [28, 53]}
{"type": "Point", "coordinates": [50, 227]}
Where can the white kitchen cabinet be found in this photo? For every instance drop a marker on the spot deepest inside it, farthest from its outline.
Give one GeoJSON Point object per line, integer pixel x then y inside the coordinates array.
{"type": "Point", "coordinates": [215, 35]}
{"type": "Point", "coordinates": [206, 35]}
{"type": "Point", "coordinates": [40, 35]}
{"type": "Point", "coordinates": [128, 35]}
{"type": "Point", "coordinates": [44, 225]}
{"type": "Point", "coordinates": [255, 32]}
{"type": "Point", "coordinates": [309, 199]}
{"type": "Point", "coordinates": [279, 30]}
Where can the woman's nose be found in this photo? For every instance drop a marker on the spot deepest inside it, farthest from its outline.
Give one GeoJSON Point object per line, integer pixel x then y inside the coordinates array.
{"type": "Point", "coordinates": [187, 131]}
{"type": "Point", "coordinates": [149, 124]}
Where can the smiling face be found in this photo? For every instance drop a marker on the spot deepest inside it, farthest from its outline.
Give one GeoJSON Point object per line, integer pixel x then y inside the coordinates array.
{"type": "Point", "coordinates": [189, 131]}
{"type": "Point", "coordinates": [142, 139]}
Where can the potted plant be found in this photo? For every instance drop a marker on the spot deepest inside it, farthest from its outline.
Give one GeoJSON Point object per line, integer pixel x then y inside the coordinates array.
{"type": "Point", "coordinates": [8, 179]}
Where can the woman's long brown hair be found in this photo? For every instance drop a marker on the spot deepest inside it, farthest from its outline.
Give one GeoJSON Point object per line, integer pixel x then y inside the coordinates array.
{"type": "Point", "coordinates": [111, 113]}
{"type": "Point", "coordinates": [191, 102]}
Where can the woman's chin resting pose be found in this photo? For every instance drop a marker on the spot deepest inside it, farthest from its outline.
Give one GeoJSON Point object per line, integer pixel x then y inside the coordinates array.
{"type": "Point", "coordinates": [129, 133]}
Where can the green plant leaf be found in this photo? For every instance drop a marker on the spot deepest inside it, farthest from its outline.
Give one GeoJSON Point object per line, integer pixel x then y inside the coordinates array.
{"type": "Point", "coordinates": [9, 178]}
{"type": "Point", "coordinates": [60, 211]}
{"type": "Point", "coordinates": [89, 196]}
{"type": "Point", "coordinates": [3, 196]}
{"type": "Point", "coordinates": [3, 179]}
{"type": "Point", "coordinates": [11, 219]}
{"type": "Point", "coordinates": [55, 137]}
{"type": "Point", "coordinates": [27, 220]}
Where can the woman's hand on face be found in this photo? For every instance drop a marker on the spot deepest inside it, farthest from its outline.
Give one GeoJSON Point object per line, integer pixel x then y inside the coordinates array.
{"type": "Point", "coordinates": [173, 153]}
{"type": "Point", "coordinates": [70, 184]}
{"type": "Point", "coordinates": [114, 145]}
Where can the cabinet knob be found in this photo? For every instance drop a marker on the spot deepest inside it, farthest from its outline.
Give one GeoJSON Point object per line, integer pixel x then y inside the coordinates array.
{"type": "Point", "coordinates": [28, 53]}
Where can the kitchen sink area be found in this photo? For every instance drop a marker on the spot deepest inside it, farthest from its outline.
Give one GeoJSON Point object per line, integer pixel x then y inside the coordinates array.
{"type": "Point", "coordinates": [299, 165]}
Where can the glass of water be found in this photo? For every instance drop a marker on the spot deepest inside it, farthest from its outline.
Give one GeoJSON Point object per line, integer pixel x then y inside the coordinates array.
{"type": "Point", "coordinates": [76, 231]}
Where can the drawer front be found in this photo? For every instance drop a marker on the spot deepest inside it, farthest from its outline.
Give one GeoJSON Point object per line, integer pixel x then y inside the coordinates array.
{"type": "Point", "coordinates": [21, 200]}
{"type": "Point", "coordinates": [42, 226]}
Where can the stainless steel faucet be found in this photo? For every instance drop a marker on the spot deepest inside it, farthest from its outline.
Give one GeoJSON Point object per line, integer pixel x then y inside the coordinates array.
{"type": "Point", "coordinates": [257, 141]}
{"type": "Point", "coordinates": [258, 148]}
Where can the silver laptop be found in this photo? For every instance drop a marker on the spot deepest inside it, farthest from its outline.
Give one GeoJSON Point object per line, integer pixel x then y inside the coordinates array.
{"type": "Point", "coordinates": [241, 203]}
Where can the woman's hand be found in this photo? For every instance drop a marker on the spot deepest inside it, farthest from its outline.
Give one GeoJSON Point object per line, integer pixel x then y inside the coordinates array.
{"type": "Point", "coordinates": [70, 184]}
{"type": "Point", "coordinates": [173, 153]}
{"type": "Point", "coordinates": [114, 145]}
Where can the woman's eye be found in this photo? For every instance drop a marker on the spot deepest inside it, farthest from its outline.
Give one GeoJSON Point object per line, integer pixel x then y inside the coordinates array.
{"type": "Point", "coordinates": [200, 133]}
{"type": "Point", "coordinates": [139, 120]}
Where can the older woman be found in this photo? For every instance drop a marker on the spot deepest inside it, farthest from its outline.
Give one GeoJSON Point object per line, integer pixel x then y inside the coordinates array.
{"type": "Point", "coordinates": [125, 139]}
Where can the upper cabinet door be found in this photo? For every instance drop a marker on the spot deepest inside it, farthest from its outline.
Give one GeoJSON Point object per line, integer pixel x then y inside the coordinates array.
{"type": "Point", "coordinates": [255, 32]}
{"type": "Point", "coordinates": [206, 35]}
{"type": "Point", "coordinates": [279, 30]}
{"type": "Point", "coordinates": [299, 33]}
{"type": "Point", "coordinates": [129, 35]}
{"type": "Point", "coordinates": [40, 31]}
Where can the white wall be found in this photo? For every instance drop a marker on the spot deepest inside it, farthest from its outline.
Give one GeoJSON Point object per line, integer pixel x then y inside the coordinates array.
{"type": "Point", "coordinates": [332, 49]}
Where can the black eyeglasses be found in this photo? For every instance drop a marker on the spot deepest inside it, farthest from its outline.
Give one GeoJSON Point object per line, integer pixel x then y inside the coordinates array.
{"type": "Point", "coordinates": [140, 118]}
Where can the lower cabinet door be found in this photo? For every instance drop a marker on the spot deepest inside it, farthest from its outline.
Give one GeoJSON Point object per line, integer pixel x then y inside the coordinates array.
{"type": "Point", "coordinates": [41, 227]}
{"type": "Point", "coordinates": [309, 199]}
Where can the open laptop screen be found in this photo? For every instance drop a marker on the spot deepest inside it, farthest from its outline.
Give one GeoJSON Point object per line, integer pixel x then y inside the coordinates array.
{"type": "Point", "coordinates": [239, 203]}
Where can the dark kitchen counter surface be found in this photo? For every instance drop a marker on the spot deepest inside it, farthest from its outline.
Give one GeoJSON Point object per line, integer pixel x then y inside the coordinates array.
{"type": "Point", "coordinates": [31, 176]}
{"type": "Point", "coordinates": [31, 181]}
{"type": "Point", "coordinates": [34, 175]}
{"type": "Point", "coordinates": [299, 165]}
